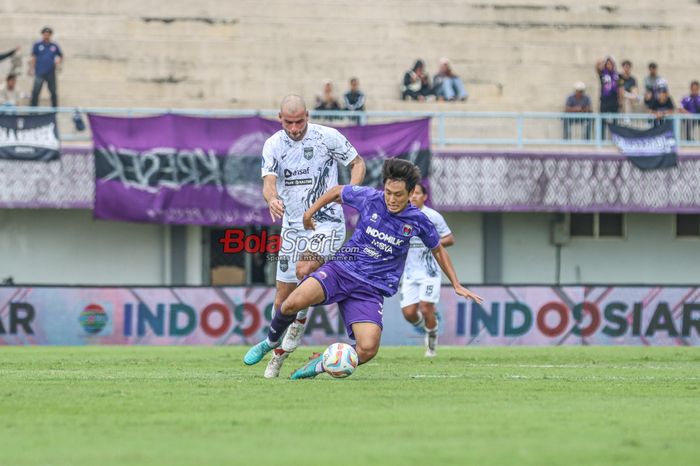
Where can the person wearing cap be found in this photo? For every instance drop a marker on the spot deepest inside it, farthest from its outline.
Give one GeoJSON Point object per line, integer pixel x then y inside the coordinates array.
{"type": "Point", "coordinates": [691, 105]}
{"type": "Point", "coordinates": [447, 85]}
{"type": "Point", "coordinates": [661, 104]}
{"type": "Point", "coordinates": [46, 55]}
{"type": "Point", "coordinates": [416, 83]}
{"type": "Point", "coordinates": [578, 102]}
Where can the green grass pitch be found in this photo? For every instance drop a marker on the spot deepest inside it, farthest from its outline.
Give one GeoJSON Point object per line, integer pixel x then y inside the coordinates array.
{"type": "Point", "coordinates": [482, 406]}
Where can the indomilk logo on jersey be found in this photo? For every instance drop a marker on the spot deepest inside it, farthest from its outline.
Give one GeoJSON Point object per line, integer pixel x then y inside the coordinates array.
{"type": "Point", "coordinates": [384, 236]}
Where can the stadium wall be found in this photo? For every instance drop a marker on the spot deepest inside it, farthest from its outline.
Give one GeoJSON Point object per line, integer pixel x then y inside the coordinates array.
{"type": "Point", "coordinates": [58, 247]}
{"type": "Point", "coordinates": [512, 55]}
{"type": "Point", "coordinates": [52, 246]}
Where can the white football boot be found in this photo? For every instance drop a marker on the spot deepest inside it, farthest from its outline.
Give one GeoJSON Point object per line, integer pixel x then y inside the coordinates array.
{"type": "Point", "coordinates": [292, 338]}
{"type": "Point", "coordinates": [273, 367]}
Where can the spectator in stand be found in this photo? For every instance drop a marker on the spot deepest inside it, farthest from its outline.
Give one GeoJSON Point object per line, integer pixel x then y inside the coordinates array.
{"type": "Point", "coordinates": [8, 54]}
{"type": "Point", "coordinates": [416, 83]}
{"type": "Point", "coordinates": [609, 78]}
{"type": "Point", "coordinates": [661, 104]}
{"type": "Point", "coordinates": [354, 99]}
{"type": "Point", "coordinates": [10, 95]}
{"type": "Point", "coordinates": [629, 94]}
{"type": "Point", "coordinates": [691, 104]}
{"type": "Point", "coordinates": [447, 85]}
{"type": "Point", "coordinates": [651, 83]}
{"type": "Point", "coordinates": [46, 56]}
{"type": "Point", "coordinates": [578, 102]}
{"type": "Point", "coordinates": [327, 100]}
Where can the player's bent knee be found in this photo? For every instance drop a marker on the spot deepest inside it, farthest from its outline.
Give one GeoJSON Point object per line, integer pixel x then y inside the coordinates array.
{"type": "Point", "coordinates": [290, 306]}
{"type": "Point", "coordinates": [366, 351]}
{"type": "Point", "coordinates": [427, 308]}
{"type": "Point", "coordinates": [410, 312]}
{"type": "Point", "coordinates": [305, 268]}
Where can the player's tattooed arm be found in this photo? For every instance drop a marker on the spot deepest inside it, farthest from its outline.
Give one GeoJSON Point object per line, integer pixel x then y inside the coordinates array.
{"type": "Point", "coordinates": [443, 259]}
{"type": "Point", "coordinates": [357, 170]}
{"type": "Point", "coordinates": [332, 195]}
{"type": "Point", "coordinates": [274, 201]}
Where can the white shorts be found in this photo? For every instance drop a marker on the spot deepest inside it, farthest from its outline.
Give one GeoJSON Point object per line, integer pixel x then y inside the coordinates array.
{"type": "Point", "coordinates": [325, 241]}
{"type": "Point", "coordinates": [426, 290]}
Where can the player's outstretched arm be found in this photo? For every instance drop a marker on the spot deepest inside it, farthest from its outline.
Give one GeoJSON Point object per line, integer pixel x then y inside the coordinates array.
{"type": "Point", "coordinates": [332, 195]}
{"type": "Point", "coordinates": [443, 259]}
{"type": "Point", "coordinates": [357, 170]}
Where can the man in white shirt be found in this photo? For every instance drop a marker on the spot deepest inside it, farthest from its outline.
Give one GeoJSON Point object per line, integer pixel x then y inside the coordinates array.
{"type": "Point", "coordinates": [420, 286]}
{"type": "Point", "coordinates": [300, 163]}
{"type": "Point", "coordinates": [10, 95]}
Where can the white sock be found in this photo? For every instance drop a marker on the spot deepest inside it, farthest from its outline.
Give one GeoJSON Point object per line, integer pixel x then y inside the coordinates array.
{"type": "Point", "coordinates": [301, 315]}
{"type": "Point", "coordinates": [431, 331]}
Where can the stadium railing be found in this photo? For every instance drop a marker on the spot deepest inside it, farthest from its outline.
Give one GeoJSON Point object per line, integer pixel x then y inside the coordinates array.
{"type": "Point", "coordinates": [449, 129]}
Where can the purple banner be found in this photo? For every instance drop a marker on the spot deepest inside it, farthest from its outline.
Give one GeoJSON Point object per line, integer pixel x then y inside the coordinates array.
{"type": "Point", "coordinates": [206, 171]}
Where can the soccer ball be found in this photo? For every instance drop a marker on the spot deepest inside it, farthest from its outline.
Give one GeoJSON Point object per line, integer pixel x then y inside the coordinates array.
{"type": "Point", "coordinates": [340, 360]}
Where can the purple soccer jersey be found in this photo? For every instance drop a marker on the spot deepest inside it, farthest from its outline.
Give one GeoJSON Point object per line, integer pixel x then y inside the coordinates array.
{"type": "Point", "coordinates": [691, 103]}
{"type": "Point", "coordinates": [378, 248]}
{"type": "Point", "coordinates": [608, 83]}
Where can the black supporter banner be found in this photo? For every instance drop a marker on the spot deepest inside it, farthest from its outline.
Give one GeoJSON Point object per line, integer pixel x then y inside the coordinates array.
{"type": "Point", "coordinates": [648, 149]}
{"type": "Point", "coordinates": [29, 137]}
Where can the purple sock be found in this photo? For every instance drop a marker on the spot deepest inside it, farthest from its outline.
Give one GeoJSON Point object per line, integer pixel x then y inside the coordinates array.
{"type": "Point", "coordinates": [279, 324]}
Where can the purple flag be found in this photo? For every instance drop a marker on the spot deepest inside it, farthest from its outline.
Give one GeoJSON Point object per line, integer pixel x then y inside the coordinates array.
{"type": "Point", "coordinates": [206, 171]}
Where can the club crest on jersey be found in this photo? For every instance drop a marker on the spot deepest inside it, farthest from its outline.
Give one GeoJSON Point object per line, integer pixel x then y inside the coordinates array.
{"type": "Point", "coordinates": [308, 153]}
{"type": "Point", "coordinates": [374, 217]}
{"type": "Point", "coordinates": [407, 229]}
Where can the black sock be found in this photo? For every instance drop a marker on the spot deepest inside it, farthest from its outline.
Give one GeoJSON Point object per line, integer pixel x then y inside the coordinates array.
{"type": "Point", "coordinates": [279, 324]}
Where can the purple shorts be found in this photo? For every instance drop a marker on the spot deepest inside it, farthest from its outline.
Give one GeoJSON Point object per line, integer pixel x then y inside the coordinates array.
{"type": "Point", "coordinates": [357, 301]}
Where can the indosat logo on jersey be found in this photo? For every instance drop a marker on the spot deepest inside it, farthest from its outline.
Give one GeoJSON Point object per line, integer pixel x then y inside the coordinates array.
{"type": "Point", "coordinates": [298, 181]}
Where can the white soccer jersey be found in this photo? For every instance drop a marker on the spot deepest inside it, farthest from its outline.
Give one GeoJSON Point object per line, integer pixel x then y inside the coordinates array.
{"type": "Point", "coordinates": [306, 169]}
{"type": "Point", "coordinates": [420, 263]}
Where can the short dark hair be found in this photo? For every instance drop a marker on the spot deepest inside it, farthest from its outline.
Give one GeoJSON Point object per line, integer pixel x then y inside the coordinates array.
{"type": "Point", "coordinates": [47, 29]}
{"type": "Point", "coordinates": [11, 76]}
{"type": "Point", "coordinates": [695, 83]}
{"type": "Point", "coordinates": [626, 62]}
{"type": "Point", "coordinates": [652, 65]}
{"type": "Point", "coordinates": [422, 188]}
{"type": "Point", "coordinates": [401, 170]}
